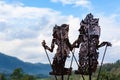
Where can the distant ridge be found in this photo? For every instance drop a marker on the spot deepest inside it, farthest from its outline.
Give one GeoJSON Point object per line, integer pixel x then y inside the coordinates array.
{"type": "Point", "coordinates": [9, 63]}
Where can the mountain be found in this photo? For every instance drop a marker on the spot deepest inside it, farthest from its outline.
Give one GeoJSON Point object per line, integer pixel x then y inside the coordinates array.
{"type": "Point", "coordinates": [9, 63]}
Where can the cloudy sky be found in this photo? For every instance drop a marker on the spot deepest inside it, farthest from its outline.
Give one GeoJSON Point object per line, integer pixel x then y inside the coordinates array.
{"type": "Point", "coordinates": [25, 23]}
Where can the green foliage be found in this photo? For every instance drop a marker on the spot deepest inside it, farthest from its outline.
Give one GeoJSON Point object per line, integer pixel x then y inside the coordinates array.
{"type": "Point", "coordinates": [110, 71]}
{"type": "Point", "coordinates": [28, 77]}
{"type": "Point", "coordinates": [17, 74]}
{"type": "Point", "coordinates": [109, 76]}
{"type": "Point", "coordinates": [2, 77]}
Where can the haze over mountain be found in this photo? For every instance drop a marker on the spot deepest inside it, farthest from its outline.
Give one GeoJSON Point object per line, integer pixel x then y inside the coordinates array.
{"type": "Point", "coordinates": [9, 63]}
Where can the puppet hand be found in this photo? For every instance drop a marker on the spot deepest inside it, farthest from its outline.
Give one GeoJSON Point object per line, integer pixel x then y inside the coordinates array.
{"type": "Point", "coordinates": [44, 44]}
{"type": "Point", "coordinates": [107, 43]}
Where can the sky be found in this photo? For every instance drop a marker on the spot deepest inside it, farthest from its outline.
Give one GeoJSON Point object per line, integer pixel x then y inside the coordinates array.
{"type": "Point", "coordinates": [24, 24]}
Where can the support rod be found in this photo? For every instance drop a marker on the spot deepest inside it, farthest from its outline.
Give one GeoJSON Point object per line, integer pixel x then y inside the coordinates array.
{"type": "Point", "coordinates": [50, 63]}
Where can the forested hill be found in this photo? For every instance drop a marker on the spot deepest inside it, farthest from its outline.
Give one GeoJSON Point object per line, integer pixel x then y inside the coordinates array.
{"type": "Point", "coordinates": [111, 67]}
{"type": "Point", "coordinates": [111, 71]}
{"type": "Point", "coordinates": [9, 63]}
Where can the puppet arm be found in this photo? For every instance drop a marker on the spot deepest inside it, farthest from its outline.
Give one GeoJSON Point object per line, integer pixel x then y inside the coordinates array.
{"type": "Point", "coordinates": [104, 43]}
{"type": "Point", "coordinates": [77, 42]}
{"type": "Point", "coordinates": [48, 48]}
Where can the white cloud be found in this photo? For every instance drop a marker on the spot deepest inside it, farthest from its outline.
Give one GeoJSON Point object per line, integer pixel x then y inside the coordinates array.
{"type": "Point", "coordinates": [110, 28]}
{"type": "Point", "coordinates": [110, 31]}
{"type": "Point", "coordinates": [82, 3]}
{"type": "Point", "coordinates": [23, 29]}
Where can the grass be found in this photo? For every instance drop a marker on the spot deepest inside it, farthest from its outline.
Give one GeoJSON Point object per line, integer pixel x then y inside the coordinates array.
{"type": "Point", "coordinates": [72, 77]}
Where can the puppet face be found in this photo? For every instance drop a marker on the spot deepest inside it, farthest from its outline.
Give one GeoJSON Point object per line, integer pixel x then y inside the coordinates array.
{"type": "Point", "coordinates": [56, 30]}
{"type": "Point", "coordinates": [83, 28]}
{"type": "Point", "coordinates": [61, 32]}
{"type": "Point", "coordinates": [65, 30]}
{"type": "Point", "coordinates": [90, 26]}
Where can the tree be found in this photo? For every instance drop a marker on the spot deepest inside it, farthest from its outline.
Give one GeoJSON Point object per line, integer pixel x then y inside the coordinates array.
{"type": "Point", "coordinates": [2, 77]}
{"type": "Point", "coordinates": [28, 77]}
{"type": "Point", "coordinates": [17, 74]}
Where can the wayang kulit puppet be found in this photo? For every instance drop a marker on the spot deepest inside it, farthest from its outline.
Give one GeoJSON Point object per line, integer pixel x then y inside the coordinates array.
{"type": "Point", "coordinates": [88, 42]}
{"type": "Point", "coordinates": [60, 38]}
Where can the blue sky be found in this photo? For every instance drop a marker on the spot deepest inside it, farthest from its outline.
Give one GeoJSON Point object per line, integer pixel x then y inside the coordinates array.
{"type": "Point", "coordinates": [25, 23]}
{"type": "Point", "coordinates": [107, 6]}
